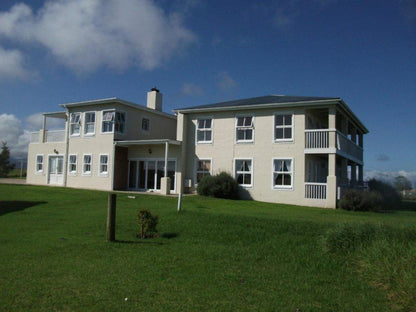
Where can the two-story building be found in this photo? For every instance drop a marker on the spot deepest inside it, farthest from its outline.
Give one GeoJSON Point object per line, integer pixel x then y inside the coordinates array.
{"type": "Point", "coordinates": [285, 149]}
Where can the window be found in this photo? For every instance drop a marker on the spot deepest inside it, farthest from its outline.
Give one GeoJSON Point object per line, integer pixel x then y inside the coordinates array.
{"type": "Point", "coordinates": [203, 168]}
{"type": "Point", "coordinates": [282, 173]}
{"type": "Point", "coordinates": [87, 163]}
{"type": "Point", "coordinates": [283, 127]}
{"type": "Point", "coordinates": [243, 172]}
{"type": "Point", "coordinates": [103, 169]}
{"type": "Point", "coordinates": [72, 164]}
{"type": "Point", "coordinates": [204, 130]}
{"type": "Point", "coordinates": [244, 129]}
{"type": "Point", "coordinates": [75, 123]}
{"type": "Point", "coordinates": [39, 163]}
{"type": "Point", "coordinates": [146, 124]}
{"type": "Point", "coordinates": [89, 127]}
{"type": "Point", "coordinates": [113, 121]}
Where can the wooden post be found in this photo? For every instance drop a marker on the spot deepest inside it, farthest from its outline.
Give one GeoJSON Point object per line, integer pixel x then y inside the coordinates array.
{"type": "Point", "coordinates": [111, 217]}
{"type": "Point", "coordinates": [179, 201]}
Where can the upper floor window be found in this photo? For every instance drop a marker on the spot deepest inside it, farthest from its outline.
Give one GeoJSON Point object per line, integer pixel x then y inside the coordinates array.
{"type": "Point", "coordinates": [204, 130]}
{"type": "Point", "coordinates": [243, 172]}
{"type": "Point", "coordinates": [75, 123]}
{"type": "Point", "coordinates": [146, 124]}
{"type": "Point", "coordinates": [89, 127]}
{"type": "Point", "coordinates": [113, 121]}
{"type": "Point", "coordinates": [39, 163]}
{"type": "Point", "coordinates": [283, 127]}
{"type": "Point", "coordinates": [282, 173]}
{"type": "Point", "coordinates": [203, 168]}
{"type": "Point", "coordinates": [244, 129]}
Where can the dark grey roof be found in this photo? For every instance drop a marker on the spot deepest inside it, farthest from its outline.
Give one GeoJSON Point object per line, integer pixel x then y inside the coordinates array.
{"type": "Point", "coordinates": [261, 100]}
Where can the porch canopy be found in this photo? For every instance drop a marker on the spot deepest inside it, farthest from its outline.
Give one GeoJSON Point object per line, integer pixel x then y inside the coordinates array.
{"type": "Point", "coordinates": [165, 142]}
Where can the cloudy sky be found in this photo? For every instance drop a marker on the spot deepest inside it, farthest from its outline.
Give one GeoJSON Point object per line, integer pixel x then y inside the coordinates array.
{"type": "Point", "coordinates": [204, 51]}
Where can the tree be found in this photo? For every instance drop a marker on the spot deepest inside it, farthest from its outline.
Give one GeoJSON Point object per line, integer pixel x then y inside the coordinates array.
{"type": "Point", "coordinates": [5, 165]}
{"type": "Point", "coordinates": [401, 183]}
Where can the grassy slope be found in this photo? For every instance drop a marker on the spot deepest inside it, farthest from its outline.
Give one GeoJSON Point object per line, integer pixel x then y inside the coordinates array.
{"type": "Point", "coordinates": [215, 255]}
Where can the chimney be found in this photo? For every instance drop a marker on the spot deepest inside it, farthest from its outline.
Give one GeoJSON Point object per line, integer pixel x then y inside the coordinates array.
{"type": "Point", "coordinates": [154, 99]}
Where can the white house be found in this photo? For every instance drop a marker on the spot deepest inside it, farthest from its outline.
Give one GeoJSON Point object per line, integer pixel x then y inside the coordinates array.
{"type": "Point", "coordinates": [285, 149]}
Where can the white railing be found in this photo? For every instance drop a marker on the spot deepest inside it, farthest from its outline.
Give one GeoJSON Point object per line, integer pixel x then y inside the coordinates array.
{"type": "Point", "coordinates": [34, 137]}
{"type": "Point", "coordinates": [315, 190]}
{"type": "Point", "coordinates": [55, 136]}
{"type": "Point", "coordinates": [317, 138]}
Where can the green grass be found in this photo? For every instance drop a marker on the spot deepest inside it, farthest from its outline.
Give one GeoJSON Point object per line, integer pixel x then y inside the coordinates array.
{"type": "Point", "coordinates": [215, 255]}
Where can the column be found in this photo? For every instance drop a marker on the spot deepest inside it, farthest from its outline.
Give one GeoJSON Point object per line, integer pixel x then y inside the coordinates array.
{"type": "Point", "coordinates": [165, 181]}
{"type": "Point", "coordinates": [331, 182]}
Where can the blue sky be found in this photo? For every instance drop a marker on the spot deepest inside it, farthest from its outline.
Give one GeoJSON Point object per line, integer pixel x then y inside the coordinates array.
{"type": "Point", "coordinates": [200, 51]}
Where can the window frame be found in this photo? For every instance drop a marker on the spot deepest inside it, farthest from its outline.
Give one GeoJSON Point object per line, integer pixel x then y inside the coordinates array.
{"type": "Point", "coordinates": [251, 172]}
{"type": "Point", "coordinates": [103, 173]}
{"type": "Point", "coordinates": [86, 123]}
{"type": "Point", "coordinates": [72, 172]}
{"type": "Point", "coordinates": [205, 130]}
{"type": "Point", "coordinates": [148, 124]}
{"type": "Point", "coordinates": [114, 121]}
{"type": "Point", "coordinates": [275, 126]}
{"type": "Point", "coordinates": [291, 173]}
{"type": "Point", "coordinates": [37, 171]}
{"type": "Point", "coordinates": [84, 172]}
{"type": "Point", "coordinates": [197, 160]}
{"type": "Point", "coordinates": [72, 123]}
{"type": "Point", "coordinates": [244, 128]}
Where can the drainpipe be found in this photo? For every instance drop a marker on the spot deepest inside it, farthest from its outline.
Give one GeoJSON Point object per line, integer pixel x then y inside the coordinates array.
{"type": "Point", "coordinates": [66, 157]}
{"type": "Point", "coordinates": [113, 161]}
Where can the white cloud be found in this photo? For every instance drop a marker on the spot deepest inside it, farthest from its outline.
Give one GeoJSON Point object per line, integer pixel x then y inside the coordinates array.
{"type": "Point", "coordinates": [225, 82]}
{"type": "Point", "coordinates": [35, 122]}
{"type": "Point", "coordinates": [11, 131]}
{"type": "Point", "coordinates": [191, 89]}
{"type": "Point", "coordinates": [389, 176]}
{"type": "Point", "coordinates": [12, 65]}
{"type": "Point", "coordinates": [85, 35]}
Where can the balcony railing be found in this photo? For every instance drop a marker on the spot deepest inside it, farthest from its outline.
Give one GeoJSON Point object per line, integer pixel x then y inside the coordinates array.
{"type": "Point", "coordinates": [315, 190]}
{"type": "Point", "coordinates": [50, 136]}
{"type": "Point", "coordinates": [320, 139]}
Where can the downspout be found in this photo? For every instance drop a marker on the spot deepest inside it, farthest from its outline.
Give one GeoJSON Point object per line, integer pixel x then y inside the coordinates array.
{"type": "Point", "coordinates": [66, 148]}
{"type": "Point", "coordinates": [113, 161]}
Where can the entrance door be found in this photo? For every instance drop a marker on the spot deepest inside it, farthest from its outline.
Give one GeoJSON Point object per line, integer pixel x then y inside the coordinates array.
{"type": "Point", "coordinates": [55, 171]}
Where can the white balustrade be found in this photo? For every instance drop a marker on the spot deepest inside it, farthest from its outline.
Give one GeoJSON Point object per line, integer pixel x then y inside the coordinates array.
{"type": "Point", "coordinates": [315, 190]}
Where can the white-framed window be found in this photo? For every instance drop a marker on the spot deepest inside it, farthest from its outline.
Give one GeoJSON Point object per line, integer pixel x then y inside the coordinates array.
{"type": "Point", "coordinates": [89, 124]}
{"type": "Point", "coordinates": [243, 172]}
{"type": "Point", "coordinates": [74, 123]}
{"type": "Point", "coordinates": [204, 130]}
{"type": "Point", "coordinates": [86, 164]}
{"type": "Point", "coordinates": [244, 128]}
{"type": "Point", "coordinates": [113, 122]}
{"type": "Point", "coordinates": [39, 164]}
{"type": "Point", "coordinates": [282, 173]}
{"type": "Point", "coordinates": [283, 127]}
{"type": "Point", "coordinates": [72, 164]}
{"type": "Point", "coordinates": [145, 124]}
{"type": "Point", "coordinates": [203, 168]}
{"type": "Point", "coordinates": [103, 166]}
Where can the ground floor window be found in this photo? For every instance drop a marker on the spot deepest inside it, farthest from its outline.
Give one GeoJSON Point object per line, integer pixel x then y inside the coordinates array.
{"type": "Point", "coordinates": [103, 169]}
{"type": "Point", "coordinates": [243, 172]}
{"type": "Point", "coordinates": [72, 164]}
{"type": "Point", "coordinates": [87, 163]}
{"type": "Point", "coordinates": [39, 163]}
{"type": "Point", "coordinates": [145, 174]}
{"type": "Point", "coordinates": [203, 168]}
{"type": "Point", "coordinates": [282, 173]}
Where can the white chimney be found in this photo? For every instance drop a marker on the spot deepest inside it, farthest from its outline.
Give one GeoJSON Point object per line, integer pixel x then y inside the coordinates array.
{"type": "Point", "coordinates": [154, 99]}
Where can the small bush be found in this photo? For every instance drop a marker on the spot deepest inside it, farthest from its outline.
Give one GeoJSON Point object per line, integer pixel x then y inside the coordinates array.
{"type": "Point", "coordinates": [147, 223]}
{"type": "Point", "coordinates": [391, 198]}
{"type": "Point", "coordinates": [221, 185]}
{"type": "Point", "coordinates": [357, 200]}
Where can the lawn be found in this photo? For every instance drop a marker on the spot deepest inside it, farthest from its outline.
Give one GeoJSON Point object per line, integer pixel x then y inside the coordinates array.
{"type": "Point", "coordinates": [215, 255]}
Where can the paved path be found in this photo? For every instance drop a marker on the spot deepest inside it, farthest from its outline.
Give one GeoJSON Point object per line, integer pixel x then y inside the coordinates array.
{"type": "Point", "coordinates": [12, 181]}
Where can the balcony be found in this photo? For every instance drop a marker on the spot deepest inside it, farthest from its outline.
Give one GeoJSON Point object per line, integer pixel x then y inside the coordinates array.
{"type": "Point", "coordinates": [49, 136]}
{"type": "Point", "coordinates": [327, 141]}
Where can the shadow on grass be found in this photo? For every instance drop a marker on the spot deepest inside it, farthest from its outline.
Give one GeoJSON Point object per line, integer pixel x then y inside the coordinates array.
{"type": "Point", "coordinates": [408, 205]}
{"type": "Point", "coordinates": [17, 205]}
{"type": "Point", "coordinates": [148, 241]}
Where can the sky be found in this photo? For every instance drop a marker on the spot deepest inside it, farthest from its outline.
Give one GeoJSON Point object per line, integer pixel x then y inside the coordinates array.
{"type": "Point", "coordinates": [205, 51]}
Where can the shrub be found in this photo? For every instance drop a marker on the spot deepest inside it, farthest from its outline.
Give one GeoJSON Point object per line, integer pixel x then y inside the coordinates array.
{"type": "Point", "coordinates": [147, 223]}
{"type": "Point", "coordinates": [357, 200]}
{"type": "Point", "coordinates": [221, 185]}
{"type": "Point", "coordinates": [391, 198]}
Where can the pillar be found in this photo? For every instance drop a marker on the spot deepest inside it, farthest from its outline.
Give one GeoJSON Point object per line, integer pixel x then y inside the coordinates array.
{"type": "Point", "coordinates": [331, 182]}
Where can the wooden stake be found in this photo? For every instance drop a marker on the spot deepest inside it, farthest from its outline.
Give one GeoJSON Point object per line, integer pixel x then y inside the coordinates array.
{"type": "Point", "coordinates": [111, 217]}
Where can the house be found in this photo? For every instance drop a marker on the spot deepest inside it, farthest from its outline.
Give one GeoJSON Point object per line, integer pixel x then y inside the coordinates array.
{"type": "Point", "coordinates": [285, 149]}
